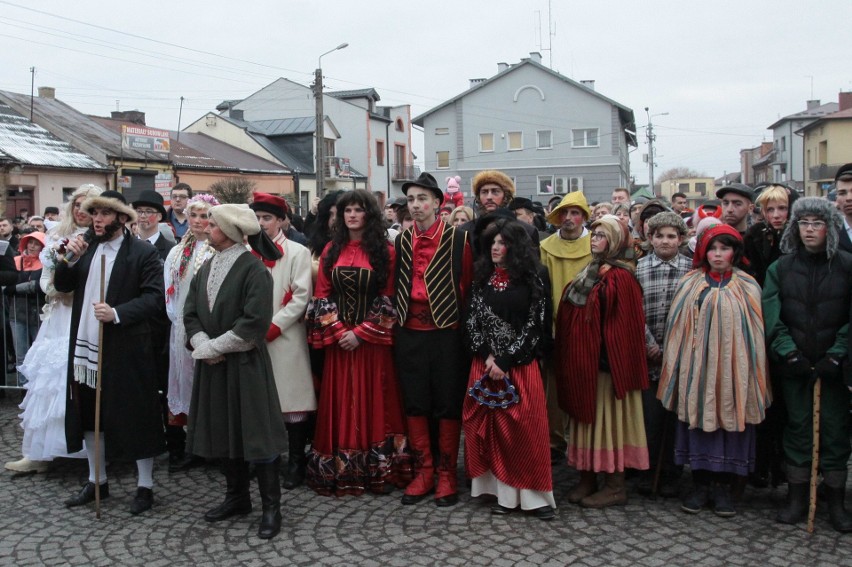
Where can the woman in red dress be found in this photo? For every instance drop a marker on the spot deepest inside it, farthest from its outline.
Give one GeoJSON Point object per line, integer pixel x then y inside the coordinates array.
{"type": "Point", "coordinates": [507, 453]}
{"type": "Point", "coordinates": [360, 441]}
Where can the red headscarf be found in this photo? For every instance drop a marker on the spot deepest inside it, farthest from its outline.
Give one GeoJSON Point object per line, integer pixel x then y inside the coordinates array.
{"type": "Point", "coordinates": [707, 236]}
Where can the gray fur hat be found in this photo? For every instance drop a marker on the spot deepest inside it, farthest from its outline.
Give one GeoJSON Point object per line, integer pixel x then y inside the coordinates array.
{"type": "Point", "coordinates": [820, 208]}
{"type": "Point", "coordinates": [666, 218]}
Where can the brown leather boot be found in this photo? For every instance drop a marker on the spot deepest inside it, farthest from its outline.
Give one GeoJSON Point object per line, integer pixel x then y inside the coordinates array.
{"type": "Point", "coordinates": [424, 481]}
{"type": "Point", "coordinates": [613, 493]}
{"type": "Point", "coordinates": [587, 486]}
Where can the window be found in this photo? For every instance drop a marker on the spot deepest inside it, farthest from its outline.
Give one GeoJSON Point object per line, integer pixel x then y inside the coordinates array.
{"type": "Point", "coordinates": [443, 159]}
{"type": "Point", "coordinates": [701, 188]}
{"type": "Point", "coordinates": [683, 187]}
{"type": "Point", "coordinates": [486, 142]}
{"type": "Point", "coordinates": [380, 152]}
{"type": "Point", "coordinates": [783, 143]}
{"type": "Point", "coordinates": [544, 139]}
{"type": "Point", "coordinates": [545, 184]}
{"type": "Point", "coordinates": [584, 138]}
{"type": "Point", "coordinates": [399, 125]}
{"type": "Point", "coordinates": [442, 131]}
{"type": "Point", "coordinates": [562, 184]}
{"type": "Point", "coordinates": [516, 141]}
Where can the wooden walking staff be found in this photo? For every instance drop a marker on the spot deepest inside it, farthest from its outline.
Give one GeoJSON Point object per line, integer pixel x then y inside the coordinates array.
{"type": "Point", "coordinates": [98, 399]}
{"type": "Point", "coordinates": [814, 457]}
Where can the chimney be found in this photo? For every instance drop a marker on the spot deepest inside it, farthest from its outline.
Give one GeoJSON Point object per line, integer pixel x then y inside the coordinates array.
{"type": "Point", "coordinates": [845, 100]}
{"type": "Point", "coordinates": [474, 82]}
{"type": "Point", "coordinates": [535, 56]}
{"type": "Point", "coordinates": [132, 116]}
{"type": "Point", "coordinates": [502, 67]}
{"type": "Point", "coordinates": [589, 84]}
{"type": "Point", "coordinates": [235, 114]}
{"type": "Point", "coordinates": [46, 92]}
{"type": "Point", "coordinates": [813, 104]}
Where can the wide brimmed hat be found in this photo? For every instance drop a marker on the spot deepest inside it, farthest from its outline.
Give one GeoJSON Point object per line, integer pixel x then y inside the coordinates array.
{"type": "Point", "coordinates": [267, 203]}
{"type": "Point", "coordinates": [425, 181]}
{"type": "Point", "coordinates": [152, 199]}
{"type": "Point", "coordinates": [575, 199]}
{"type": "Point", "coordinates": [235, 220]}
{"type": "Point", "coordinates": [22, 244]}
{"type": "Point", "coordinates": [110, 200]}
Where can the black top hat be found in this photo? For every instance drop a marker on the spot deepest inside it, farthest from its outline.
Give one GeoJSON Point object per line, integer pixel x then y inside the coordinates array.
{"type": "Point", "coordinates": [152, 199]}
{"type": "Point", "coordinates": [739, 189]}
{"type": "Point", "coordinates": [427, 182]}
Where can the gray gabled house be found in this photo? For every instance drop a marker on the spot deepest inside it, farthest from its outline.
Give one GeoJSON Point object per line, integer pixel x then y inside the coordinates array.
{"type": "Point", "coordinates": [551, 134]}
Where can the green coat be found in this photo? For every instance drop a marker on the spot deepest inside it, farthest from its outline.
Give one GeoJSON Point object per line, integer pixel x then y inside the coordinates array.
{"type": "Point", "coordinates": [234, 411]}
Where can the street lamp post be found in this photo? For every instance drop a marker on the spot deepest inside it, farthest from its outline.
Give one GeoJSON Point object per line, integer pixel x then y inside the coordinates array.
{"type": "Point", "coordinates": [651, 138]}
{"type": "Point", "coordinates": [320, 119]}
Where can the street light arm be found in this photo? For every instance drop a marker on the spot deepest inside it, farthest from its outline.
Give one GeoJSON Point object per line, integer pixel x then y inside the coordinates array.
{"type": "Point", "coordinates": [319, 59]}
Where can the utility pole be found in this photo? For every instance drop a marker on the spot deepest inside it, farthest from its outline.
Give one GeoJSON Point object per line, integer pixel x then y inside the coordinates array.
{"type": "Point", "coordinates": [180, 114]}
{"type": "Point", "coordinates": [651, 138]}
{"type": "Point", "coordinates": [320, 119]}
{"type": "Point", "coordinates": [320, 134]}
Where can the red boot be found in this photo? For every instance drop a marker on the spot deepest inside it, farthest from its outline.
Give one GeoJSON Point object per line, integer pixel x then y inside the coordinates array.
{"type": "Point", "coordinates": [424, 481]}
{"type": "Point", "coordinates": [449, 432]}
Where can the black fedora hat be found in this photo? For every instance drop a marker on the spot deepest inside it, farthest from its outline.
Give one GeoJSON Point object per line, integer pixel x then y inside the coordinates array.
{"type": "Point", "coordinates": [427, 182]}
{"type": "Point", "coordinates": [152, 199]}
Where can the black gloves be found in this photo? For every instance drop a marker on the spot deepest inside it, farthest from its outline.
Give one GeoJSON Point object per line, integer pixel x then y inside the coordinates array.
{"type": "Point", "coordinates": [828, 368]}
{"type": "Point", "coordinates": [798, 365]}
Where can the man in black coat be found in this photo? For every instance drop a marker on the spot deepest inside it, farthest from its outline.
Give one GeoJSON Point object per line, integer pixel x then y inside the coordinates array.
{"type": "Point", "coordinates": [151, 212]}
{"type": "Point", "coordinates": [131, 420]}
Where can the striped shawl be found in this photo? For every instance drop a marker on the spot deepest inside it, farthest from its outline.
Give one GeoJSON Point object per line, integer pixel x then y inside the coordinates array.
{"type": "Point", "coordinates": [714, 359]}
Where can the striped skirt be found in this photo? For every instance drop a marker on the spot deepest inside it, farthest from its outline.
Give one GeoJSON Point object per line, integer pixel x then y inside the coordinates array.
{"type": "Point", "coordinates": [616, 440]}
{"type": "Point", "coordinates": [511, 443]}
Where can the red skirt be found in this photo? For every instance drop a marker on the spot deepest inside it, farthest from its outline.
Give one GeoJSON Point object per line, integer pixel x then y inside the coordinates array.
{"type": "Point", "coordinates": [360, 443]}
{"type": "Point", "coordinates": [513, 442]}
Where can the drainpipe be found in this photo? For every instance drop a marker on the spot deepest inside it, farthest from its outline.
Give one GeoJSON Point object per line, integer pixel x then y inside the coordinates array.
{"type": "Point", "coordinates": [387, 159]}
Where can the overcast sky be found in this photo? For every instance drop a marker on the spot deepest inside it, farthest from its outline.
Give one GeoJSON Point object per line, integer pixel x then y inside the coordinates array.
{"type": "Point", "coordinates": [723, 70]}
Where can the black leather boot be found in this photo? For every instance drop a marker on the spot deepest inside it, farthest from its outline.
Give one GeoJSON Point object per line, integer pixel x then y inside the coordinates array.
{"type": "Point", "coordinates": [835, 493]}
{"type": "Point", "coordinates": [269, 484]}
{"type": "Point", "coordinates": [237, 498]}
{"type": "Point", "coordinates": [796, 508]}
{"type": "Point", "coordinates": [297, 437]}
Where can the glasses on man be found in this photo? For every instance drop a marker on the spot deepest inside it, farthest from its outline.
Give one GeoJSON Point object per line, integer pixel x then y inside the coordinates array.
{"type": "Point", "coordinates": [146, 212]}
{"type": "Point", "coordinates": [816, 225]}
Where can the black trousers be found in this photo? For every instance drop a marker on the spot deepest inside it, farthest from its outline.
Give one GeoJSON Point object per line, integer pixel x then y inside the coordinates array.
{"type": "Point", "coordinates": [433, 367]}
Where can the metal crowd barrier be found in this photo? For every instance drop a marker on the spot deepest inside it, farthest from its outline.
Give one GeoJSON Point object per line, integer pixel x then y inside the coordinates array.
{"type": "Point", "coordinates": [20, 320]}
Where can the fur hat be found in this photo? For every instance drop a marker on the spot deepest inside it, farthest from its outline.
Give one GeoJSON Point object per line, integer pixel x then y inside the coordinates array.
{"type": "Point", "coordinates": [824, 210]}
{"type": "Point", "coordinates": [236, 221]}
{"type": "Point", "coordinates": [666, 218]}
{"type": "Point", "coordinates": [575, 199]}
{"type": "Point", "coordinates": [267, 203]}
{"type": "Point", "coordinates": [109, 200]}
{"type": "Point", "coordinates": [493, 176]}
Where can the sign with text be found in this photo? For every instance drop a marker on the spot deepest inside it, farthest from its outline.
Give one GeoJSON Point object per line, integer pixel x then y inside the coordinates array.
{"type": "Point", "coordinates": [145, 139]}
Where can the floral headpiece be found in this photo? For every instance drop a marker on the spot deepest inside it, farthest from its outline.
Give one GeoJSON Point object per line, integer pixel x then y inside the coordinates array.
{"type": "Point", "coordinates": [208, 199]}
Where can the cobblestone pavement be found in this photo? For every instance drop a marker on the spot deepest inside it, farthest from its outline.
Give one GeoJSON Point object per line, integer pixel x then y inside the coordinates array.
{"type": "Point", "coordinates": [376, 530]}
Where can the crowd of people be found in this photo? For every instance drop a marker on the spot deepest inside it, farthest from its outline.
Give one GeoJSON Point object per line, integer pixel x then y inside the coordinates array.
{"type": "Point", "coordinates": [624, 339]}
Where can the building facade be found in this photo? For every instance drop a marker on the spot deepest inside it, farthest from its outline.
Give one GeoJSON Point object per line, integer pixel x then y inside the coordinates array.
{"type": "Point", "coordinates": [551, 134]}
